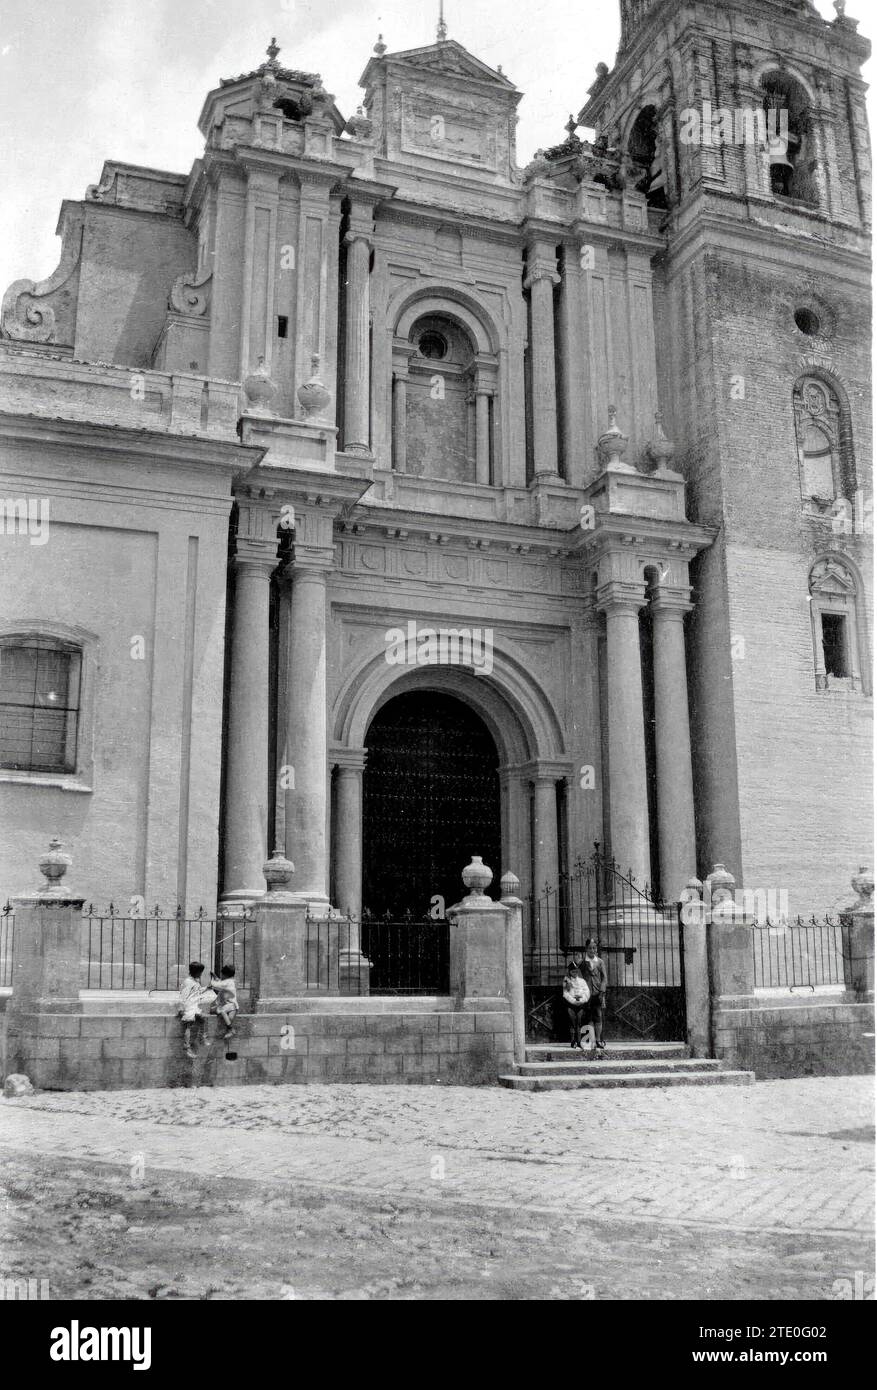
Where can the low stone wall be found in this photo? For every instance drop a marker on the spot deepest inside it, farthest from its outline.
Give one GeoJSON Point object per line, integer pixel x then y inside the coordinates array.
{"type": "Point", "coordinates": [807, 1039]}
{"type": "Point", "coordinates": [374, 1042]}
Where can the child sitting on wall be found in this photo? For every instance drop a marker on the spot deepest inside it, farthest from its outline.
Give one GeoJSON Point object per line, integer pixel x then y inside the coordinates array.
{"type": "Point", "coordinates": [226, 1006]}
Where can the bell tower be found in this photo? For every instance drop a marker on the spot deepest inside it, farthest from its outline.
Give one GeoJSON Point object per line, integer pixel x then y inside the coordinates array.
{"type": "Point", "coordinates": [744, 125]}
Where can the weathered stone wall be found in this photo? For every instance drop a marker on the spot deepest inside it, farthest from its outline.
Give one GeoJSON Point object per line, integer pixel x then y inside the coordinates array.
{"type": "Point", "coordinates": [797, 1040]}
{"type": "Point", "coordinates": [84, 1052]}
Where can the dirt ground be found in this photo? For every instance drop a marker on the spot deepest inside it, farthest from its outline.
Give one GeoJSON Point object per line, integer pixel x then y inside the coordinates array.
{"type": "Point", "coordinates": [95, 1235]}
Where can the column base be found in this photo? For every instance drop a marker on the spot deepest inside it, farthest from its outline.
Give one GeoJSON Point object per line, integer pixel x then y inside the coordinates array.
{"type": "Point", "coordinates": [353, 973]}
{"type": "Point", "coordinates": [233, 904]}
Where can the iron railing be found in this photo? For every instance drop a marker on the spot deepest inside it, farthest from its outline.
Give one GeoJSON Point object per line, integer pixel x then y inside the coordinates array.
{"type": "Point", "coordinates": [377, 955]}
{"type": "Point", "coordinates": [153, 952]}
{"type": "Point", "coordinates": [798, 953]}
{"type": "Point", "coordinates": [637, 934]}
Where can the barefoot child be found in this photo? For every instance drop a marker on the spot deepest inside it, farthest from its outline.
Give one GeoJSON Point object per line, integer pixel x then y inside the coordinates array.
{"type": "Point", "coordinates": [226, 997]}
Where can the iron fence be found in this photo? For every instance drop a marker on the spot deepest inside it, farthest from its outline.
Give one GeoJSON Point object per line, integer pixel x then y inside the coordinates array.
{"type": "Point", "coordinates": [638, 937]}
{"type": "Point", "coordinates": [377, 955]}
{"type": "Point", "coordinates": [800, 953]}
{"type": "Point", "coordinates": [152, 953]}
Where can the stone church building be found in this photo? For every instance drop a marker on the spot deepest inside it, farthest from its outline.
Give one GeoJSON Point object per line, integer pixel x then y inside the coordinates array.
{"type": "Point", "coordinates": [369, 494]}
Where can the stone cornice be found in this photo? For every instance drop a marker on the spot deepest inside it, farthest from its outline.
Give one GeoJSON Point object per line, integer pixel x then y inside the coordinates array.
{"type": "Point", "coordinates": [95, 438]}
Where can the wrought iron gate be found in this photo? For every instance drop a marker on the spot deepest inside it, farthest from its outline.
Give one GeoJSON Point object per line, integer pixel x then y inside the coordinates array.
{"type": "Point", "coordinates": [638, 936]}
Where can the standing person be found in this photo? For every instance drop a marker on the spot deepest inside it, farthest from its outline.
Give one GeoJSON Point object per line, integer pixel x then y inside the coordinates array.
{"type": "Point", "coordinates": [189, 1010]}
{"type": "Point", "coordinates": [576, 995]}
{"type": "Point", "coordinates": [594, 973]}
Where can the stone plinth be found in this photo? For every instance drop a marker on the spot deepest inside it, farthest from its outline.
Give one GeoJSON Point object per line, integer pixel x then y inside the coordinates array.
{"type": "Point", "coordinates": [47, 953]}
{"type": "Point", "coordinates": [857, 921]}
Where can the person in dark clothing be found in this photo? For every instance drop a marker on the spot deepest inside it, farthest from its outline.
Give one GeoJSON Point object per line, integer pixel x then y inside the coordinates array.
{"type": "Point", "coordinates": [576, 997]}
{"type": "Point", "coordinates": [593, 972]}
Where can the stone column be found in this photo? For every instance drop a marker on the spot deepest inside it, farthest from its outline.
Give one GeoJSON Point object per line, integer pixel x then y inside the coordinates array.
{"type": "Point", "coordinates": [545, 866]}
{"type": "Point", "coordinates": [350, 763]}
{"type": "Point", "coordinates": [628, 804]}
{"type": "Point", "coordinates": [247, 775]}
{"type": "Point", "coordinates": [356, 358]}
{"type": "Point", "coordinates": [306, 801]}
{"type": "Point", "coordinates": [541, 278]}
{"type": "Point", "coordinates": [482, 434]}
{"type": "Point", "coordinates": [400, 423]}
{"type": "Point", "coordinates": [353, 968]}
{"type": "Point", "coordinates": [676, 840]}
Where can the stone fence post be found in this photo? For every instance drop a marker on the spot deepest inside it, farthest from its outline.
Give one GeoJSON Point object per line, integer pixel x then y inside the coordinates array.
{"type": "Point", "coordinates": [47, 944]}
{"type": "Point", "coordinates": [477, 940]}
{"type": "Point", "coordinates": [857, 922]}
{"type": "Point", "coordinates": [278, 968]}
{"type": "Point", "coordinates": [514, 962]}
{"type": "Point", "coordinates": [693, 915]}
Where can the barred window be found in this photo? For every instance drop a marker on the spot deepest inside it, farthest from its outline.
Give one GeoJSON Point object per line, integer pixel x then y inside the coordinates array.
{"type": "Point", "coordinates": [40, 682]}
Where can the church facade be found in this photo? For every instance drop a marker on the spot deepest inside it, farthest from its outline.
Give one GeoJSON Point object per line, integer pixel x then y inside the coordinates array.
{"type": "Point", "coordinates": [369, 495]}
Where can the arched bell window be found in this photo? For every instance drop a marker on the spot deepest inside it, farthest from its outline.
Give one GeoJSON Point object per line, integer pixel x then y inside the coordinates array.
{"type": "Point", "coordinates": [790, 148]}
{"type": "Point", "coordinates": [644, 150]}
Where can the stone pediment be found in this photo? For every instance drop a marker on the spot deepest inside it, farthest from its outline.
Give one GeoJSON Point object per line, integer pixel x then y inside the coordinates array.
{"type": "Point", "coordinates": [449, 59]}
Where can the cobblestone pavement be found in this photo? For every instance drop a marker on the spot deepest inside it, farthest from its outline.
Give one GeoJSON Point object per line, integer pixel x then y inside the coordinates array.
{"type": "Point", "coordinates": [780, 1159]}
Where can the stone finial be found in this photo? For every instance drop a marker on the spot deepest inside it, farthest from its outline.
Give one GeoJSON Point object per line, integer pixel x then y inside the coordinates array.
{"type": "Point", "coordinates": [53, 866]}
{"type": "Point", "coordinates": [259, 390]}
{"type": "Point", "coordinates": [863, 887]}
{"type": "Point", "coordinates": [612, 445]}
{"type": "Point", "coordinates": [660, 449]}
{"type": "Point", "coordinates": [509, 885]}
{"type": "Point", "coordinates": [278, 872]}
{"type": "Point", "coordinates": [441, 31]}
{"type": "Point", "coordinates": [272, 50]}
{"type": "Point", "coordinates": [380, 47]}
{"type": "Point", "coordinates": [477, 876]}
{"type": "Point", "coordinates": [314, 396]}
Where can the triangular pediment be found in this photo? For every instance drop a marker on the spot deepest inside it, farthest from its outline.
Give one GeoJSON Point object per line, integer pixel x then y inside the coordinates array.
{"type": "Point", "coordinates": [450, 59]}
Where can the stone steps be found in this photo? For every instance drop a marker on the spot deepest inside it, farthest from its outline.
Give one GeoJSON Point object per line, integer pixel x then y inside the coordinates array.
{"type": "Point", "coordinates": [553, 1067]}
{"type": "Point", "coordinates": [608, 1080]}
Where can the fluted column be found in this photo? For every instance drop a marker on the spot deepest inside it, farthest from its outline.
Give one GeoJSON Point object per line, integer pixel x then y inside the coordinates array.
{"type": "Point", "coordinates": [628, 802]}
{"type": "Point", "coordinates": [541, 278]}
{"type": "Point", "coordinates": [400, 423]}
{"type": "Point", "coordinates": [245, 845]}
{"type": "Point", "coordinates": [356, 358]}
{"type": "Point", "coordinates": [482, 434]}
{"type": "Point", "coordinates": [306, 800]}
{"type": "Point", "coordinates": [676, 842]}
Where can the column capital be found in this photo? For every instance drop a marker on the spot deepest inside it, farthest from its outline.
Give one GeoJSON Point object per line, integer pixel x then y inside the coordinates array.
{"type": "Point", "coordinates": [349, 761]}
{"type": "Point", "coordinates": [620, 595]}
{"type": "Point", "coordinates": [671, 601]}
{"type": "Point", "coordinates": [540, 270]}
{"type": "Point", "coordinates": [544, 770]}
{"type": "Point", "coordinates": [255, 555]}
{"type": "Point", "coordinates": [306, 561]}
{"type": "Point", "coordinates": [360, 233]}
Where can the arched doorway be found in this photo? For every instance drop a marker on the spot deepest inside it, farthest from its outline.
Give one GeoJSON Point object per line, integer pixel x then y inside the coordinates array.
{"type": "Point", "coordinates": [430, 801]}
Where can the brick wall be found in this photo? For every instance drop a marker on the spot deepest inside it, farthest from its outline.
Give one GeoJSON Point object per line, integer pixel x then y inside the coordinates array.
{"type": "Point", "coordinates": [86, 1052]}
{"type": "Point", "coordinates": [783, 1040]}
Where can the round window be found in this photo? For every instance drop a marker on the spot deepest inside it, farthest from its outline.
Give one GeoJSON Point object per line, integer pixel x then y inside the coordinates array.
{"type": "Point", "coordinates": [807, 322]}
{"type": "Point", "coordinates": [432, 345]}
